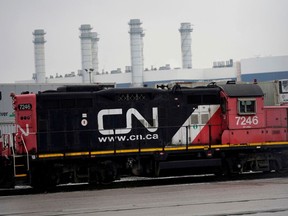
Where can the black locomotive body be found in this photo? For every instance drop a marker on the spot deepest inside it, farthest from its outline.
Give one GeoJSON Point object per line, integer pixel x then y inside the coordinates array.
{"type": "Point", "coordinates": [96, 135]}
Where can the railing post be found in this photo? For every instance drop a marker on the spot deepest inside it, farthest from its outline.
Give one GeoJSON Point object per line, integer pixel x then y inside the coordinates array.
{"type": "Point", "coordinates": [187, 137]}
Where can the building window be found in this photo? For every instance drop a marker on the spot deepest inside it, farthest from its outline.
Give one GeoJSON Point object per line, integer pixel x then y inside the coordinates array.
{"type": "Point", "coordinates": [246, 106]}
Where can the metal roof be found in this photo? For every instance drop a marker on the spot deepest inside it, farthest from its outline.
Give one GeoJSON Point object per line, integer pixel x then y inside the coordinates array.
{"type": "Point", "coordinates": [242, 90]}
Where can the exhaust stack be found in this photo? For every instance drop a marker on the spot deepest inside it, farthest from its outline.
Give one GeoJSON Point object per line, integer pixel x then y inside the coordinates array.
{"type": "Point", "coordinates": [89, 53]}
{"type": "Point", "coordinates": [185, 31]}
{"type": "Point", "coordinates": [39, 55]}
{"type": "Point", "coordinates": [136, 45]}
{"type": "Point", "coordinates": [94, 48]}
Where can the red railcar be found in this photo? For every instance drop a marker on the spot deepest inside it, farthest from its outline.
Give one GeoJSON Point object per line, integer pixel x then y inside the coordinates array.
{"type": "Point", "coordinates": [80, 134]}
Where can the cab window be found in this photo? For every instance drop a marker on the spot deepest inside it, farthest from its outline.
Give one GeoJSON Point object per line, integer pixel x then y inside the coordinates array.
{"type": "Point", "coordinates": [246, 106]}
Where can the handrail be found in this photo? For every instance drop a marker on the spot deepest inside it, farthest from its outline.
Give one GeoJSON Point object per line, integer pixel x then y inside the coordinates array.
{"type": "Point", "coordinates": [26, 150]}
{"type": "Point", "coordinates": [13, 153]}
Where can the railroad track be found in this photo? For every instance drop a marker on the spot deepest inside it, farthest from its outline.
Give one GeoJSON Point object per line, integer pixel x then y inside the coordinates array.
{"type": "Point", "coordinates": [130, 182]}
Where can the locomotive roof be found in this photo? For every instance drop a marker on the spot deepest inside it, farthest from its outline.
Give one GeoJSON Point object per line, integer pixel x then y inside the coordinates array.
{"type": "Point", "coordinates": [232, 90]}
{"type": "Point", "coordinates": [242, 90]}
{"type": "Point", "coordinates": [84, 88]}
{"type": "Point", "coordinates": [129, 90]}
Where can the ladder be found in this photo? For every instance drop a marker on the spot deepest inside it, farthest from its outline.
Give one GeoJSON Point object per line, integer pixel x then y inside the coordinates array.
{"type": "Point", "coordinates": [21, 166]}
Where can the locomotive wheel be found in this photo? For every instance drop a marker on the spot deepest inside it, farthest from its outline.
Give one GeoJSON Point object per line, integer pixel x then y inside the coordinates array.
{"type": "Point", "coordinates": [224, 170]}
{"type": "Point", "coordinates": [227, 168]}
{"type": "Point", "coordinates": [279, 167]}
{"type": "Point", "coordinates": [43, 178]}
{"type": "Point", "coordinates": [103, 173]}
{"type": "Point", "coordinates": [93, 176]}
{"type": "Point", "coordinates": [156, 169]}
{"type": "Point", "coordinates": [108, 172]}
{"type": "Point", "coordinates": [137, 169]}
{"type": "Point", "coordinates": [152, 168]}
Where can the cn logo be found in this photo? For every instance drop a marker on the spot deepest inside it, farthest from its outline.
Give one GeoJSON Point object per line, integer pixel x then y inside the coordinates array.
{"type": "Point", "coordinates": [25, 133]}
{"type": "Point", "coordinates": [129, 113]}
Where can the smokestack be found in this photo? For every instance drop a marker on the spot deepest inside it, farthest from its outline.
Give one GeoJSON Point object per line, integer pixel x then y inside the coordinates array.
{"type": "Point", "coordinates": [86, 53]}
{"type": "Point", "coordinates": [94, 47]}
{"type": "Point", "coordinates": [185, 31]}
{"type": "Point", "coordinates": [136, 45]}
{"type": "Point", "coordinates": [39, 55]}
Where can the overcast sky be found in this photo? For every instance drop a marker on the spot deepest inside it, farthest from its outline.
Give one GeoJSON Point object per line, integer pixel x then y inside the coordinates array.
{"type": "Point", "coordinates": [222, 30]}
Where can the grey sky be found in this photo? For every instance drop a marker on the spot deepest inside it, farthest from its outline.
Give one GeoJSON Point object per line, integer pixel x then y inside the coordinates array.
{"type": "Point", "coordinates": [223, 29]}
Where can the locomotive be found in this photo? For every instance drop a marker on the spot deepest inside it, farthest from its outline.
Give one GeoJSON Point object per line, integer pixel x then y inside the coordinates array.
{"type": "Point", "coordinates": [97, 135]}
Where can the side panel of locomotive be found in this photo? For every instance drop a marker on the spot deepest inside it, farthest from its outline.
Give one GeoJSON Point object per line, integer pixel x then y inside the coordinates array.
{"type": "Point", "coordinates": [276, 124]}
{"type": "Point", "coordinates": [60, 120]}
{"type": "Point", "coordinates": [119, 120]}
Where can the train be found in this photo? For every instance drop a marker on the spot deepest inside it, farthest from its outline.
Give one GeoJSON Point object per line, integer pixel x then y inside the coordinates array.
{"type": "Point", "coordinates": [98, 135]}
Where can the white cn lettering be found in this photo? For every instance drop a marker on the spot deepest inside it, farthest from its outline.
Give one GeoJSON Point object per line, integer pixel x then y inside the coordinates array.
{"type": "Point", "coordinates": [152, 128]}
{"type": "Point", "coordinates": [25, 133]}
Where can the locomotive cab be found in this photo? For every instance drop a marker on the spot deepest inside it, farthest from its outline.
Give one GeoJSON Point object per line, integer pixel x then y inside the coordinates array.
{"type": "Point", "coordinates": [243, 116]}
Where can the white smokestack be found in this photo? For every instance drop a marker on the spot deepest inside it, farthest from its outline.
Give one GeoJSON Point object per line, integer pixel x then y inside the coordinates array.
{"type": "Point", "coordinates": [185, 31]}
{"type": "Point", "coordinates": [39, 55]}
{"type": "Point", "coordinates": [136, 45]}
{"type": "Point", "coordinates": [86, 53]}
{"type": "Point", "coordinates": [94, 47]}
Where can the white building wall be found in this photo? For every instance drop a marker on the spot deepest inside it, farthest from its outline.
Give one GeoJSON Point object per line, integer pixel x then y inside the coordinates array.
{"type": "Point", "coordinates": [119, 78]}
{"type": "Point", "coordinates": [264, 68]}
{"type": "Point", "coordinates": [76, 79]}
{"type": "Point", "coordinates": [264, 64]}
{"type": "Point", "coordinates": [208, 74]}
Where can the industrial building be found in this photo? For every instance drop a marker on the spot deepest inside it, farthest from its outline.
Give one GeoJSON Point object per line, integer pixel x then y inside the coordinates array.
{"type": "Point", "coordinates": [247, 70]}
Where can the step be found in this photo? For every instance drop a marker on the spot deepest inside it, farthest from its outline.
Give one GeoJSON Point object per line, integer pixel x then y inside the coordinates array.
{"type": "Point", "coordinates": [21, 175]}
